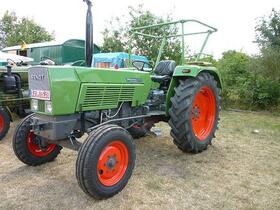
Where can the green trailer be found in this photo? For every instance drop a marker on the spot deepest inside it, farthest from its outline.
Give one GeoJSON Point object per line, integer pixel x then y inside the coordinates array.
{"type": "Point", "coordinates": [113, 106]}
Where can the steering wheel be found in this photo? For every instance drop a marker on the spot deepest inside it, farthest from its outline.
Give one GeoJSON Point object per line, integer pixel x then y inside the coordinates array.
{"type": "Point", "coordinates": [139, 65]}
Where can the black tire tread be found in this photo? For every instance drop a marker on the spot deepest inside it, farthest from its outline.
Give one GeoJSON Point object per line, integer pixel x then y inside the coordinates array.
{"type": "Point", "coordinates": [84, 157]}
{"type": "Point", "coordinates": [7, 122]}
{"type": "Point", "coordinates": [179, 112]}
{"type": "Point", "coordinates": [20, 147]}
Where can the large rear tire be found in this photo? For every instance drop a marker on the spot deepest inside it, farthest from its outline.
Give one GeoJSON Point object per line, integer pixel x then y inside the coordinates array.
{"type": "Point", "coordinates": [194, 113]}
{"type": "Point", "coordinates": [4, 122]}
{"type": "Point", "coordinates": [27, 148]}
{"type": "Point", "coordinates": [105, 161]}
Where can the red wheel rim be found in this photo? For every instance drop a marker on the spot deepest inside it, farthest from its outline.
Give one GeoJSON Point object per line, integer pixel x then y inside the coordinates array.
{"type": "Point", "coordinates": [35, 149]}
{"type": "Point", "coordinates": [2, 123]}
{"type": "Point", "coordinates": [203, 113]}
{"type": "Point", "coordinates": [112, 163]}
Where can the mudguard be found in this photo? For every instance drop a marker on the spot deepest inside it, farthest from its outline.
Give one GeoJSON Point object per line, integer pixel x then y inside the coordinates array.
{"type": "Point", "coordinates": [190, 70]}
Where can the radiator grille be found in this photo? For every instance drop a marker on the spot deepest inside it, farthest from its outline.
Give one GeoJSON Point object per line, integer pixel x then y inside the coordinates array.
{"type": "Point", "coordinates": [101, 96]}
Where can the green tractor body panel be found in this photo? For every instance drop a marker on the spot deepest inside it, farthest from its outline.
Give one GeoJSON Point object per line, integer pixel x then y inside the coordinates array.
{"type": "Point", "coordinates": [85, 89]}
{"type": "Point", "coordinates": [191, 70]}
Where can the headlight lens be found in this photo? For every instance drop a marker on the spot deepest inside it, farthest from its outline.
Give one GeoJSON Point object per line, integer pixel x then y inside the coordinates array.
{"type": "Point", "coordinates": [48, 106]}
{"type": "Point", "coordinates": [34, 105]}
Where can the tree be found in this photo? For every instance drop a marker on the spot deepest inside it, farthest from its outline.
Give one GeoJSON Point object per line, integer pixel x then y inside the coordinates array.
{"type": "Point", "coordinates": [112, 41]}
{"type": "Point", "coordinates": [15, 31]}
{"type": "Point", "coordinates": [117, 39]}
{"type": "Point", "coordinates": [268, 30]}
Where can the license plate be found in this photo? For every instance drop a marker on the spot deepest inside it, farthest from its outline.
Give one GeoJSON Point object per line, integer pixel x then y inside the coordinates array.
{"type": "Point", "coordinates": [41, 94]}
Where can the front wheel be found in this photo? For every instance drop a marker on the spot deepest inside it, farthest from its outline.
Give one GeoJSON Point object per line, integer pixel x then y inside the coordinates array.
{"type": "Point", "coordinates": [4, 122]}
{"type": "Point", "coordinates": [105, 161]}
{"type": "Point", "coordinates": [29, 148]}
{"type": "Point", "coordinates": [194, 113]}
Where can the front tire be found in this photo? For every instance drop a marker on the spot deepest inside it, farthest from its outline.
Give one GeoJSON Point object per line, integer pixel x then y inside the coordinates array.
{"type": "Point", "coordinates": [105, 161]}
{"type": "Point", "coordinates": [27, 148]}
{"type": "Point", "coordinates": [4, 122]}
{"type": "Point", "coordinates": [194, 113]}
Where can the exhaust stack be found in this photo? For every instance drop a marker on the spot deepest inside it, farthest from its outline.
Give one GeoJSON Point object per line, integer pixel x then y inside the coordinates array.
{"type": "Point", "coordinates": [89, 34]}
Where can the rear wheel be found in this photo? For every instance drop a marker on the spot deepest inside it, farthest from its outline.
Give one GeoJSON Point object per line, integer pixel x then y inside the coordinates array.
{"type": "Point", "coordinates": [4, 122]}
{"type": "Point", "coordinates": [105, 161]}
{"type": "Point", "coordinates": [194, 114]}
{"type": "Point", "coordinates": [138, 131]}
{"type": "Point", "coordinates": [29, 148]}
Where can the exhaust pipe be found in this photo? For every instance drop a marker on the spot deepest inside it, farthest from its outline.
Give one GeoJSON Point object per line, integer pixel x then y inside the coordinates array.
{"type": "Point", "coordinates": [89, 34]}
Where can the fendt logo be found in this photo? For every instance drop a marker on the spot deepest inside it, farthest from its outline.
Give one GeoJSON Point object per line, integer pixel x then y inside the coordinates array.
{"type": "Point", "coordinates": [37, 77]}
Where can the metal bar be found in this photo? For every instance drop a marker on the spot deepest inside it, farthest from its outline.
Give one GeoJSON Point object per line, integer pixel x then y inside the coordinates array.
{"type": "Point", "coordinates": [148, 35]}
{"type": "Point", "coordinates": [129, 51]}
{"type": "Point", "coordinates": [15, 99]}
{"type": "Point", "coordinates": [183, 45]}
{"type": "Point", "coordinates": [117, 120]}
{"type": "Point", "coordinates": [160, 50]}
{"type": "Point", "coordinates": [174, 23]}
{"type": "Point", "coordinates": [172, 36]}
{"type": "Point", "coordinates": [203, 46]}
{"type": "Point", "coordinates": [188, 34]}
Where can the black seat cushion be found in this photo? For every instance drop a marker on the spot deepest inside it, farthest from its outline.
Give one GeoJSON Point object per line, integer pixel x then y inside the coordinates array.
{"type": "Point", "coordinates": [165, 67]}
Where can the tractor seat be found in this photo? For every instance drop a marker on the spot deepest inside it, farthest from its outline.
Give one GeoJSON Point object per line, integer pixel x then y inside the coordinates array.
{"type": "Point", "coordinates": [164, 71]}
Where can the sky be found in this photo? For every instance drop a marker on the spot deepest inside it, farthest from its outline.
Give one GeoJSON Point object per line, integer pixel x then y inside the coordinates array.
{"type": "Point", "coordinates": [235, 19]}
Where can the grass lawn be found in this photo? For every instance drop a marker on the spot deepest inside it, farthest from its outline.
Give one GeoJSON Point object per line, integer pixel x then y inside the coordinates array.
{"type": "Point", "coordinates": [241, 170]}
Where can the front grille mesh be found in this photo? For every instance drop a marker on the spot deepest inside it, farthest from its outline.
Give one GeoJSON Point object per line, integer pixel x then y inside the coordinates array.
{"type": "Point", "coordinates": [101, 96]}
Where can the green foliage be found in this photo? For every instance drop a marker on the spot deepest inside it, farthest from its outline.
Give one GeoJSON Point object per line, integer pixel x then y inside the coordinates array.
{"type": "Point", "coordinates": [268, 30]}
{"type": "Point", "coordinates": [116, 39]}
{"type": "Point", "coordinates": [112, 42]}
{"type": "Point", "coordinates": [234, 69]}
{"type": "Point", "coordinates": [15, 31]}
{"type": "Point", "coordinates": [251, 82]}
{"type": "Point", "coordinates": [254, 82]}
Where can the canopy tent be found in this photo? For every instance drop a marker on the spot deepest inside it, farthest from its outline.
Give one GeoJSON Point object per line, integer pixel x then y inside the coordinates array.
{"type": "Point", "coordinates": [117, 58]}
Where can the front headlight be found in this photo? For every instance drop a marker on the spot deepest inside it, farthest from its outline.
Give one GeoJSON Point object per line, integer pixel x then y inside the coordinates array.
{"type": "Point", "coordinates": [48, 106]}
{"type": "Point", "coordinates": [34, 105]}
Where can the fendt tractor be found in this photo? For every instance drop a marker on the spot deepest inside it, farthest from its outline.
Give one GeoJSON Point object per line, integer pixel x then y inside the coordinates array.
{"type": "Point", "coordinates": [14, 93]}
{"type": "Point", "coordinates": [111, 106]}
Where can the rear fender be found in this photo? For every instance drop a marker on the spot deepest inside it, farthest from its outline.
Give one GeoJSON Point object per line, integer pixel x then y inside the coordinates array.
{"type": "Point", "coordinates": [183, 72]}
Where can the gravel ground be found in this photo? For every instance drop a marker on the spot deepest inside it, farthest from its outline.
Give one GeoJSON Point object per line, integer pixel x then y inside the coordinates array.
{"type": "Point", "coordinates": [241, 170]}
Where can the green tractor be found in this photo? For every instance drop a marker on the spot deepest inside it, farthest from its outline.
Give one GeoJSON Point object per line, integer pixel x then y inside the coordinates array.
{"type": "Point", "coordinates": [113, 106]}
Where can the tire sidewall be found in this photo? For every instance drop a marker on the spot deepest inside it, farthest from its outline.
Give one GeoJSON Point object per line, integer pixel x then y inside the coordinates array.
{"type": "Point", "coordinates": [21, 149]}
{"type": "Point", "coordinates": [7, 120]}
{"type": "Point", "coordinates": [94, 155]}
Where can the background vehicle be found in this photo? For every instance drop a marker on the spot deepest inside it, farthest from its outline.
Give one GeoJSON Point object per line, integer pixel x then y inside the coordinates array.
{"type": "Point", "coordinates": [14, 93]}
{"type": "Point", "coordinates": [111, 105]}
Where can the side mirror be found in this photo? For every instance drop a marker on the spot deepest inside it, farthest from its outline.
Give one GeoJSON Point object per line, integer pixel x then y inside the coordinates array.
{"type": "Point", "coordinates": [138, 65]}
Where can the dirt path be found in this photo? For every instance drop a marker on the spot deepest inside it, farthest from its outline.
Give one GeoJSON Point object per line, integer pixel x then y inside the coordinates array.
{"type": "Point", "coordinates": [241, 170]}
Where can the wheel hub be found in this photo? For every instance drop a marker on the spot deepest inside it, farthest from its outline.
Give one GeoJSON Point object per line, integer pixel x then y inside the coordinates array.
{"type": "Point", "coordinates": [111, 162]}
{"type": "Point", "coordinates": [203, 113]}
{"type": "Point", "coordinates": [195, 112]}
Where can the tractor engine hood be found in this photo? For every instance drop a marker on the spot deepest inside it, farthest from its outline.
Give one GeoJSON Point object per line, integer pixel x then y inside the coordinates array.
{"type": "Point", "coordinates": [55, 88]}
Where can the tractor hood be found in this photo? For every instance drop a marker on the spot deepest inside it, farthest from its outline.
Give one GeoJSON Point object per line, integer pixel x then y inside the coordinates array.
{"type": "Point", "coordinates": [68, 90]}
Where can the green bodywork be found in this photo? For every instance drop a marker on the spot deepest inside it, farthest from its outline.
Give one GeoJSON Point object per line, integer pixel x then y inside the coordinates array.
{"type": "Point", "coordinates": [77, 89]}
